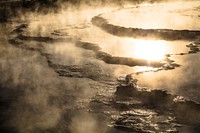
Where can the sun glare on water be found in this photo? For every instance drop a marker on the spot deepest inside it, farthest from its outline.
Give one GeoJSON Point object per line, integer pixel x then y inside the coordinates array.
{"type": "Point", "coordinates": [149, 50]}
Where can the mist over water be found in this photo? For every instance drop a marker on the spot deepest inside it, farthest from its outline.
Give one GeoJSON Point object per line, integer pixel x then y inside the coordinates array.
{"type": "Point", "coordinates": [70, 66]}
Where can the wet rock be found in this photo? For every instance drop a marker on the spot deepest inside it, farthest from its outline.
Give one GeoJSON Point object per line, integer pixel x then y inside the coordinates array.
{"type": "Point", "coordinates": [194, 48]}
{"type": "Point", "coordinates": [128, 88]}
{"type": "Point", "coordinates": [102, 55]}
{"type": "Point", "coordinates": [130, 61]}
{"type": "Point", "coordinates": [19, 29]}
{"type": "Point", "coordinates": [33, 38]}
{"type": "Point", "coordinates": [167, 55]}
{"type": "Point", "coordinates": [88, 70]}
{"type": "Point", "coordinates": [175, 64]}
{"type": "Point", "coordinates": [88, 46]}
{"type": "Point", "coordinates": [166, 34]}
{"type": "Point", "coordinates": [144, 121]}
{"type": "Point", "coordinates": [59, 33]}
{"type": "Point", "coordinates": [92, 71]}
{"type": "Point", "coordinates": [168, 67]}
{"type": "Point", "coordinates": [184, 110]}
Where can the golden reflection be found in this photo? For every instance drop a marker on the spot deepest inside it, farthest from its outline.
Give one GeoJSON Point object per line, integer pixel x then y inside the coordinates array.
{"type": "Point", "coordinates": [141, 69]}
{"type": "Point", "coordinates": [148, 50]}
{"type": "Point", "coordinates": [170, 15]}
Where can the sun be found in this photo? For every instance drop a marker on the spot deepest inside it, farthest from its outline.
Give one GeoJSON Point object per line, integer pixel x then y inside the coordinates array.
{"type": "Point", "coordinates": [149, 50]}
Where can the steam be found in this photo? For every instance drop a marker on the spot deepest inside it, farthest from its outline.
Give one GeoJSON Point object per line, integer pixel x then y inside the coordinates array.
{"type": "Point", "coordinates": [38, 95]}
{"type": "Point", "coordinates": [84, 123]}
{"type": "Point", "coordinates": [35, 98]}
{"type": "Point", "coordinates": [34, 93]}
{"type": "Point", "coordinates": [28, 87]}
{"type": "Point", "coordinates": [182, 81]}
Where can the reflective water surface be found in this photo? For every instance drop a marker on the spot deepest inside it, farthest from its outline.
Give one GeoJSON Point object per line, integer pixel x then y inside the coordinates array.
{"type": "Point", "coordinates": [62, 73]}
{"type": "Point", "coordinates": [172, 15]}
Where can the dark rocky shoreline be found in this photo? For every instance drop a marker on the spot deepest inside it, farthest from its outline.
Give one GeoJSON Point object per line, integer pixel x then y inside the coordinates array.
{"type": "Point", "coordinates": [164, 34]}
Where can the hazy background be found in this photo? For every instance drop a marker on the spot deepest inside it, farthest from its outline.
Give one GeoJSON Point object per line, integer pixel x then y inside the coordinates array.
{"type": "Point", "coordinates": [34, 98]}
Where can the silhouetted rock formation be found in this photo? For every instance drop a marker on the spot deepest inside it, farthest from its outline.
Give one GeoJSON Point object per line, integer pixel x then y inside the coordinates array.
{"type": "Point", "coordinates": [161, 100]}
{"type": "Point", "coordinates": [165, 34]}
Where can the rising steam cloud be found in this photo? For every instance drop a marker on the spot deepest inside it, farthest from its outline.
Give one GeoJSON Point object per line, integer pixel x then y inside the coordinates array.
{"type": "Point", "coordinates": [34, 97]}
